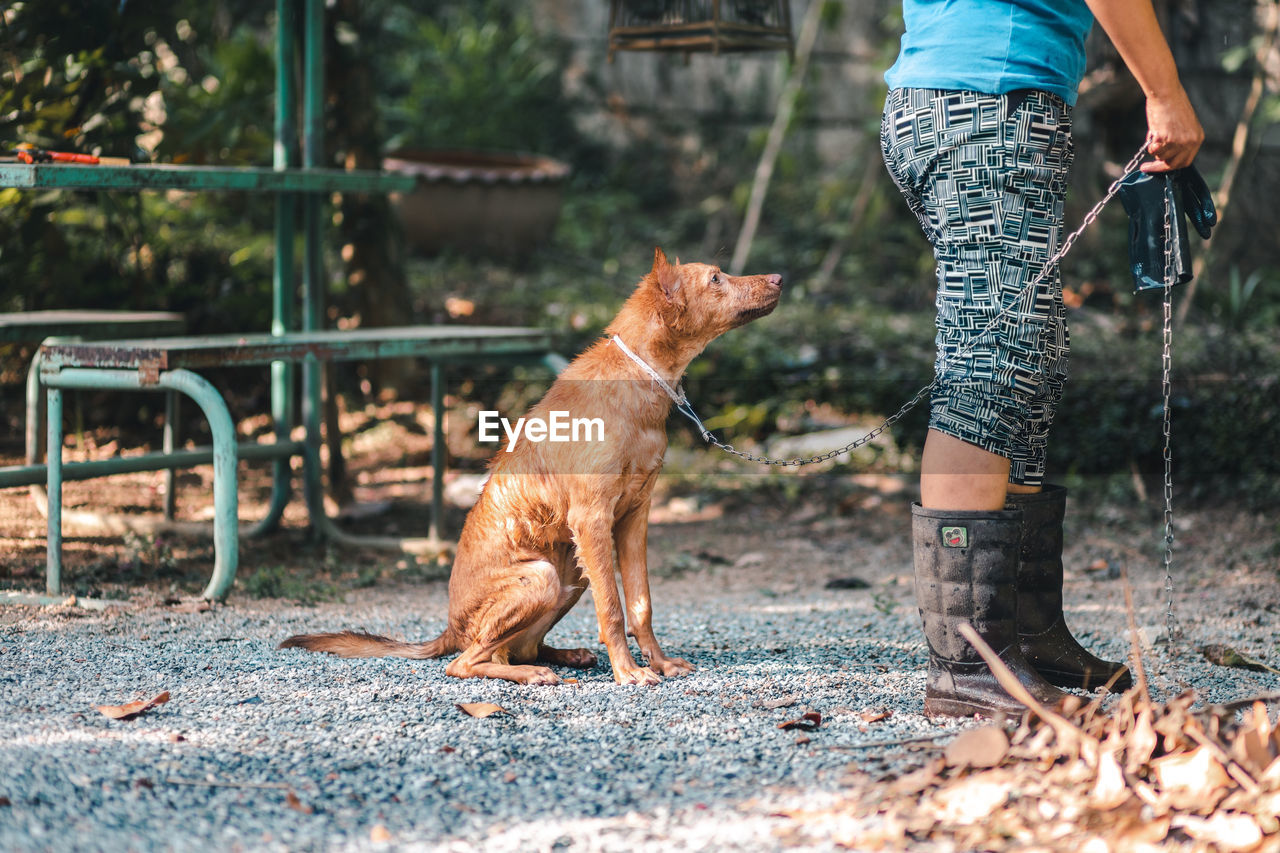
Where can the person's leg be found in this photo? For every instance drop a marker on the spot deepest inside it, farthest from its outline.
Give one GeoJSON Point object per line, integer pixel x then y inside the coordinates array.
{"type": "Point", "coordinates": [1043, 636]}
{"type": "Point", "coordinates": [955, 474]}
{"type": "Point", "coordinates": [944, 151]}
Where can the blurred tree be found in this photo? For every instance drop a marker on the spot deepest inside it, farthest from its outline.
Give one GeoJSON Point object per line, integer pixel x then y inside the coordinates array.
{"type": "Point", "coordinates": [471, 74]}
{"type": "Point", "coordinates": [372, 242]}
{"type": "Point", "coordinates": [70, 78]}
{"type": "Point", "coordinates": [143, 79]}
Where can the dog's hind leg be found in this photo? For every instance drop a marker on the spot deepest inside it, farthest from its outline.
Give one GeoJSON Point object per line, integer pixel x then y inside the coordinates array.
{"type": "Point", "coordinates": [510, 627]}
{"type": "Point", "coordinates": [632, 533]}
{"type": "Point", "coordinates": [485, 661]}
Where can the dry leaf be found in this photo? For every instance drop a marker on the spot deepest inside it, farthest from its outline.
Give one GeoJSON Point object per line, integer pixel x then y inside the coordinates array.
{"type": "Point", "coordinates": [875, 716]}
{"type": "Point", "coordinates": [1230, 831]}
{"type": "Point", "coordinates": [481, 709]}
{"type": "Point", "coordinates": [1080, 777]}
{"type": "Point", "coordinates": [132, 709]}
{"type": "Point", "coordinates": [1142, 834]}
{"type": "Point", "coordinates": [1250, 749]}
{"type": "Point", "coordinates": [972, 799]}
{"type": "Point", "coordinates": [1095, 845]}
{"type": "Point", "coordinates": [1271, 776]}
{"type": "Point", "coordinates": [1142, 742]}
{"type": "Point", "coordinates": [1110, 789]}
{"type": "Point", "coordinates": [1221, 655]}
{"type": "Point", "coordinates": [808, 721]}
{"type": "Point", "coordinates": [1261, 721]}
{"type": "Point", "coordinates": [379, 834]}
{"type": "Point", "coordinates": [984, 747]}
{"type": "Point", "coordinates": [917, 780]}
{"type": "Point", "coordinates": [291, 800]}
{"type": "Point", "coordinates": [1267, 806]}
{"type": "Point", "coordinates": [1196, 773]}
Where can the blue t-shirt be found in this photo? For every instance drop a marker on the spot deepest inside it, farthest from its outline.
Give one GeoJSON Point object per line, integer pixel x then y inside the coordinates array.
{"type": "Point", "coordinates": [993, 46]}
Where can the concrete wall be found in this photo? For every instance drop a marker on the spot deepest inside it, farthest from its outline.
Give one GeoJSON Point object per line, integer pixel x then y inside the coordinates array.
{"type": "Point", "coordinates": [640, 95]}
{"type": "Point", "coordinates": [638, 88]}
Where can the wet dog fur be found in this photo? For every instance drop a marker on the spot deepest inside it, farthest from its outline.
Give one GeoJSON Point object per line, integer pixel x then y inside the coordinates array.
{"type": "Point", "coordinates": [553, 515]}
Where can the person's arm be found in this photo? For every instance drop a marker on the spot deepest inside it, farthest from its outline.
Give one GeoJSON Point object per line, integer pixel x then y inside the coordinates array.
{"type": "Point", "coordinates": [1173, 131]}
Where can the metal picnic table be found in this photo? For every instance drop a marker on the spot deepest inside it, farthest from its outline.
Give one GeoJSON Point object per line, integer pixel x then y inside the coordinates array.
{"type": "Point", "coordinates": [41, 326]}
{"type": "Point", "coordinates": [141, 362]}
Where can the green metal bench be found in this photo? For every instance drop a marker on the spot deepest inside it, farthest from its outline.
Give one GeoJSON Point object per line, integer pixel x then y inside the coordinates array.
{"type": "Point", "coordinates": [297, 335]}
{"type": "Point", "coordinates": [172, 364]}
{"type": "Point", "coordinates": [36, 327]}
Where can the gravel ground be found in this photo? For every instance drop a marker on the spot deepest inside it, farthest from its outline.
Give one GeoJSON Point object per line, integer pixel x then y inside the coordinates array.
{"type": "Point", "coordinates": [261, 749]}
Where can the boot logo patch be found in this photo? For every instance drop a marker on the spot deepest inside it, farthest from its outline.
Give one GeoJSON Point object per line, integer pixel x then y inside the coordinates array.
{"type": "Point", "coordinates": [955, 537]}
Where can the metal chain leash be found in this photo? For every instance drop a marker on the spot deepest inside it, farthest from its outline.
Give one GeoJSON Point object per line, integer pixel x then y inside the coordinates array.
{"type": "Point", "coordinates": [1166, 369]}
{"type": "Point", "coordinates": [684, 407]}
{"type": "Point", "coordinates": [871, 436]}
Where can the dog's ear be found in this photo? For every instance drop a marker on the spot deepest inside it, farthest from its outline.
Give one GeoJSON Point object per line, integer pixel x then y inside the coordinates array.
{"type": "Point", "coordinates": [666, 275]}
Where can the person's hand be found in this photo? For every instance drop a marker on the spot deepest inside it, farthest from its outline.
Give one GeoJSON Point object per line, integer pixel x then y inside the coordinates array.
{"type": "Point", "coordinates": [1174, 133]}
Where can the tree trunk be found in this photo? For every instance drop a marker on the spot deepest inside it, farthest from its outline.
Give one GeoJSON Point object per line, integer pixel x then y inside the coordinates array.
{"type": "Point", "coordinates": [372, 242]}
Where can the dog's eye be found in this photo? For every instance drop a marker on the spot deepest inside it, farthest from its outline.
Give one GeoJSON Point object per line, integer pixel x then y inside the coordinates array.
{"type": "Point", "coordinates": [715, 278]}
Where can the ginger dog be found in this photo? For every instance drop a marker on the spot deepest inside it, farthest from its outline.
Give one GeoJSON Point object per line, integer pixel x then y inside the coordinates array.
{"type": "Point", "coordinates": [552, 515]}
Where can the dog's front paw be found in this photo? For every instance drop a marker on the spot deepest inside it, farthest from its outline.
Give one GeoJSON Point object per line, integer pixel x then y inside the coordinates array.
{"type": "Point", "coordinates": [637, 675]}
{"type": "Point", "coordinates": [671, 667]}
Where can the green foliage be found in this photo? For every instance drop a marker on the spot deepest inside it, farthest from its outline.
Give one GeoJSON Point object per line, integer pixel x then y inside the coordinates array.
{"type": "Point", "coordinates": [225, 115]}
{"type": "Point", "coordinates": [282, 582]}
{"type": "Point", "coordinates": [1247, 302]}
{"type": "Point", "coordinates": [101, 78]}
{"type": "Point", "coordinates": [1224, 416]}
{"type": "Point", "coordinates": [72, 76]}
{"type": "Point", "coordinates": [884, 602]}
{"type": "Point", "coordinates": [472, 75]}
{"type": "Point", "coordinates": [69, 79]}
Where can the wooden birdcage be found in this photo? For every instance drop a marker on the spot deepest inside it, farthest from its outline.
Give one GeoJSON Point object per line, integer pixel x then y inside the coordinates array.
{"type": "Point", "coordinates": [700, 26]}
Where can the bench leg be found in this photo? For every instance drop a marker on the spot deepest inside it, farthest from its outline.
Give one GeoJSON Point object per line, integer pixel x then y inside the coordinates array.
{"type": "Point", "coordinates": [312, 472]}
{"type": "Point", "coordinates": [171, 415]}
{"type": "Point", "coordinates": [226, 541]}
{"type": "Point", "coordinates": [53, 483]}
{"type": "Point", "coordinates": [33, 410]}
{"type": "Point", "coordinates": [313, 484]}
{"type": "Point", "coordinates": [282, 417]}
{"type": "Point", "coordinates": [438, 460]}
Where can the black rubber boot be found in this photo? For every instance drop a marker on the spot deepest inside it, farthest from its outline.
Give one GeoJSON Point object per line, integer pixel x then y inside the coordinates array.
{"type": "Point", "coordinates": [1042, 632]}
{"type": "Point", "coordinates": [965, 567]}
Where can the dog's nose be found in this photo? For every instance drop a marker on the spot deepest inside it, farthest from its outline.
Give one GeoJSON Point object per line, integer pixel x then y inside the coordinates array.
{"type": "Point", "coordinates": [774, 279]}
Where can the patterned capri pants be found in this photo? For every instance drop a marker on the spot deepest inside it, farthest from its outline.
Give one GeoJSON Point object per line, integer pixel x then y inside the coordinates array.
{"type": "Point", "coordinates": [986, 176]}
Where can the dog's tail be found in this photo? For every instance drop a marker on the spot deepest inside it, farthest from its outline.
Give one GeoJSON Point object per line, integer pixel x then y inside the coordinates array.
{"type": "Point", "coordinates": [357, 644]}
